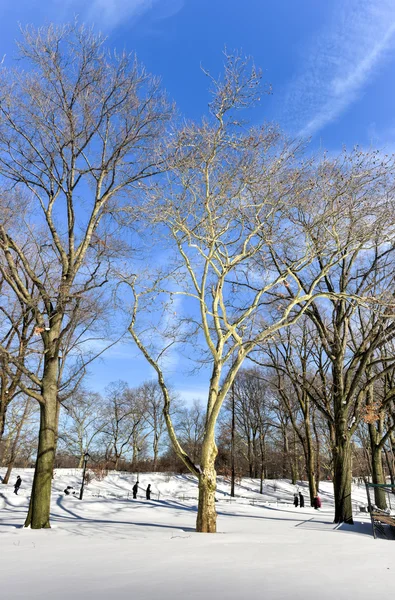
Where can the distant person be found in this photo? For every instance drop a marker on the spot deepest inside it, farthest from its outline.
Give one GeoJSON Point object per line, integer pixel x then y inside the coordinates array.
{"type": "Point", "coordinates": [135, 490]}
{"type": "Point", "coordinates": [301, 500]}
{"type": "Point", "coordinates": [296, 500]}
{"type": "Point", "coordinates": [148, 492]}
{"type": "Point", "coordinates": [317, 502]}
{"type": "Point", "coordinates": [17, 484]}
{"type": "Point", "coordinates": [68, 491]}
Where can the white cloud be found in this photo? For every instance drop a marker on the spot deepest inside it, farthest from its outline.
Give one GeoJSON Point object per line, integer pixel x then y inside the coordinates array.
{"type": "Point", "coordinates": [111, 13]}
{"type": "Point", "coordinates": [339, 63]}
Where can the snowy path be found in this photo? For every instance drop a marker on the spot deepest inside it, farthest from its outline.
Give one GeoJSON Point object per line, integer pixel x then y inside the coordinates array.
{"type": "Point", "coordinates": [105, 548]}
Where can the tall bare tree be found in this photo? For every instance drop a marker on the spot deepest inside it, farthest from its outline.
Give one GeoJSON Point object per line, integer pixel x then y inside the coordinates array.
{"type": "Point", "coordinates": [78, 127]}
{"type": "Point", "coordinates": [352, 333]}
{"type": "Point", "coordinates": [246, 219]}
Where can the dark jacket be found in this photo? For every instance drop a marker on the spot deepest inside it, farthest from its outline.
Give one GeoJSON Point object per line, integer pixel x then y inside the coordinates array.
{"type": "Point", "coordinates": [148, 492]}
{"type": "Point", "coordinates": [301, 500]}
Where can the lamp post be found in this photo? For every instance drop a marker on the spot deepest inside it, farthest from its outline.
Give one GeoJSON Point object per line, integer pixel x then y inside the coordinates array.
{"type": "Point", "coordinates": [137, 466]}
{"type": "Point", "coordinates": [86, 456]}
{"type": "Point", "coordinates": [232, 448]}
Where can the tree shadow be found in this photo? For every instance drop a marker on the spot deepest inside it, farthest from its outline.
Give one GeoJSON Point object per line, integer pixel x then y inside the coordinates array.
{"type": "Point", "coordinates": [75, 516]}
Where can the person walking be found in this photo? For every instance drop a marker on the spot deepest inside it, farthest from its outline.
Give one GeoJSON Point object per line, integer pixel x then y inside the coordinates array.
{"type": "Point", "coordinates": [135, 489]}
{"type": "Point", "coordinates": [17, 484]}
{"type": "Point", "coordinates": [148, 492]}
{"type": "Point", "coordinates": [317, 502]}
{"type": "Point", "coordinates": [296, 500]}
{"type": "Point", "coordinates": [301, 500]}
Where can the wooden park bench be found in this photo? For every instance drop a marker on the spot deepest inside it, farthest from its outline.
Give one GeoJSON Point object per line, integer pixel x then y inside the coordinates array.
{"type": "Point", "coordinates": [379, 519]}
{"type": "Point", "coordinates": [382, 522]}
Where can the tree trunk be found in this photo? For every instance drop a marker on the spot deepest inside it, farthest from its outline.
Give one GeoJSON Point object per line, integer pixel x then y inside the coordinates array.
{"type": "Point", "coordinates": [317, 455]}
{"type": "Point", "coordinates": [156, 453]}
{"type": "Point", "coordinates": [378, 477]}
{"type": "Point", "coordinates": [293, 459]}
{"type": "Point", "coordinates": [262, 474]}
{"type": "Point", "coordinates": [342, 479]}
{"type": "Point", "coordinates": [15, 443]}
{"type": "Point", "coordinates": [250, 457]}
{"type": "Point", "coordinates": [40, 502]}
{"type": "Point", "coordinates": [377, 464]}
{"type": "Point", "coordinates": [254, 457]}
{"type": "Point", "coordinates": [310, 460]}
{"type": "Point", "coordinates": [207, 515]}
{"type": "Point", "coordinates": [3, 410]}
{"type": "Point", "coordinates": [232, 448]}
{"type": "Point", "coordinates": [390, 466]}
{"type": "Point", "coordinates": [9, 469]}
{"type": "Point", "coordinates": [285, 454]}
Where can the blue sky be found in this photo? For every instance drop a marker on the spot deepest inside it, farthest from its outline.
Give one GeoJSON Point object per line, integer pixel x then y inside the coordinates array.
{"type": "Point", "coordinates": [331, 66]}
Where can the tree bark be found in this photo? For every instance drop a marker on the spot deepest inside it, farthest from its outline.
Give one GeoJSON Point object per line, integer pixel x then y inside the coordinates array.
{"type": "Point", "coordinates": [342, 479]}
{"type": "Point", "coordinates": [310, 460]}
{"type": "Point", "coordinates": [38, 516]}
{"type": "Point", "coordinates": [3, 410]}
{"type": "Point", "coordinates": [378, 477]}
{"type": "Point", "coordinates": [207, 515]}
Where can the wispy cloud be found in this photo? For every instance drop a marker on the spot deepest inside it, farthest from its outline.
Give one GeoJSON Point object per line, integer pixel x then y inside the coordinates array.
{"type": "Point", "coordinates": [339, 62]}
{"type": "Point", "coordinates": [109, 14]}
{"type": "Point", "coordinates": [188, 395]}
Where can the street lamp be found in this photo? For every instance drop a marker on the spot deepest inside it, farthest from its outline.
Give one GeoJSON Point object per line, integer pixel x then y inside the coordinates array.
{"type": "Point", "coordinates": [86, 456]}
{"type": "Point", "coordinates": [232, 447]}
{"type": "Point", "coordinates": [137, 466]}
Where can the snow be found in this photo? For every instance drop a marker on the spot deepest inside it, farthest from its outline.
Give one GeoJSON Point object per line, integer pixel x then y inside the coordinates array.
{"type": "Point", "coordinates": [110, 546]}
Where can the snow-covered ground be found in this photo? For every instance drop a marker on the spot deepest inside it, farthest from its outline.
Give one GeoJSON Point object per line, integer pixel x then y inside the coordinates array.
{"type": "Point", "coordinates": [110, 546]}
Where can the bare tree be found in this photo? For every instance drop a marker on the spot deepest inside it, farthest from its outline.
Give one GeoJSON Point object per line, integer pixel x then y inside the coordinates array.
{"type": "Point", "coordinates": [125, 419]}
{"type": "Point", "coordinates": [21, 429]}
{"type": "Point", "coordinates": [78, 127]}
{"type": "Point", "coordinates": [189, 424]}
{"type": "Point", "coordinates": [16, 332]}
{"type": "Point", "coordinates": [351, 334]}
{"type": "Point", "coordinates": [252, 416]}
{"type": "Point", "coordinates": [246, 220]}
{"type": "Point", "coordinates": [82, 423]}
{"type": "Point", "coordinates": [151, 399]}
{"type": "Point", "coordinates": [293, 375]}
{"type": "Point", "coordinates": [379, 416]}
